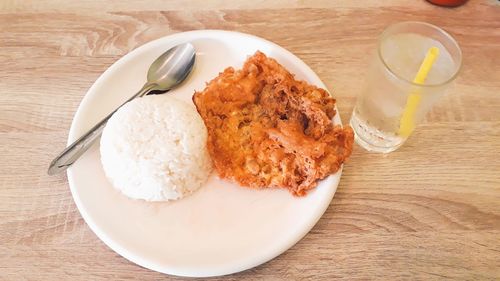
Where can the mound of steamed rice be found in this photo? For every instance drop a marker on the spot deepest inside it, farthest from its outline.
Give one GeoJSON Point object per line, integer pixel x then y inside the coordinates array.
{"type": "Point", "coordinates": [154, 148]}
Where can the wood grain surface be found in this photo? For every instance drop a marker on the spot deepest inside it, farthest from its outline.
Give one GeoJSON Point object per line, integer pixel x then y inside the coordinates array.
{"type": "Point", "coordinates": [429, 211]}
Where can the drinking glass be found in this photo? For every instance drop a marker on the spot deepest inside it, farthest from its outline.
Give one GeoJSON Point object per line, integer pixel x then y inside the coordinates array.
{"type": "Point", "coordinates": [393, 100]}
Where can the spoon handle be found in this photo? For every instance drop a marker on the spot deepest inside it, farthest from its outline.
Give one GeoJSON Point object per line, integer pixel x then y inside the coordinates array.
{"type": "Point", "coordinates": [69, 155]}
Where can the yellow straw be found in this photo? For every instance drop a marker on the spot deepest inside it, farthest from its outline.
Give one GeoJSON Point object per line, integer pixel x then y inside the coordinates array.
{"type": "Point", "coordinates": [407, 122]}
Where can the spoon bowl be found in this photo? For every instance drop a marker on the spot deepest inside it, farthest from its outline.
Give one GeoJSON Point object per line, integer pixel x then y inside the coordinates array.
{"type": "Point", "coordinates": [172, 67]}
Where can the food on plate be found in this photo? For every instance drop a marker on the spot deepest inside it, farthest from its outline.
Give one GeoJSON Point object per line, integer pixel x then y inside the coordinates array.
{"type": "Point", "coordinates": [267, 129]}
{"type": "Point", "coordinates": [154, 148]}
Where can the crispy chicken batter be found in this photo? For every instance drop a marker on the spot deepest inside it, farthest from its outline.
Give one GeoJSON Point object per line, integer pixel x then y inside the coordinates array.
{"type": "Point", "coordinates": [266, 129]}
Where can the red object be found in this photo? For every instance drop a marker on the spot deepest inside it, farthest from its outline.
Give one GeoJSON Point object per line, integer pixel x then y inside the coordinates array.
{"type": "Point", "coordinates": [448, 3]}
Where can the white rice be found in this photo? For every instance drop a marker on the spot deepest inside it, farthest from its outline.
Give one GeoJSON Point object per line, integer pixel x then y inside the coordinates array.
{"type": "Point", "coordinates": [154, 148]}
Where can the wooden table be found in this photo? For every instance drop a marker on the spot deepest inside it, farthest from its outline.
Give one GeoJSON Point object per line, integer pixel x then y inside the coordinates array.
{"type": "Point", "coordinates": [430, 210]}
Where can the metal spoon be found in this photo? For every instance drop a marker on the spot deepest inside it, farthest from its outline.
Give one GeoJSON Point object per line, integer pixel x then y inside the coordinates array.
{"type": "Point", "coordinates": [165, 73]}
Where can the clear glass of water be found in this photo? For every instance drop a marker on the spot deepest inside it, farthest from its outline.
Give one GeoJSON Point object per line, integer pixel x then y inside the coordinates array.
{"type": "Point", "coordinates": [402, 47]}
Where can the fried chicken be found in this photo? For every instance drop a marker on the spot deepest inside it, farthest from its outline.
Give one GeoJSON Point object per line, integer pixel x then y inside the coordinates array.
{"type": "Point", "coordinates": [266, 129]}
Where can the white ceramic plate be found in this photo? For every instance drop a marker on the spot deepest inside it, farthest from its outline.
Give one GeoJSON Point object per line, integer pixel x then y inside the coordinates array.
{"type": "Point", "coordinates": [222, 228]}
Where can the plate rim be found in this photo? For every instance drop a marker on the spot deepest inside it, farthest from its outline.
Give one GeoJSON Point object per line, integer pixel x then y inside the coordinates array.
{"type": "Point", "coordinates": [125, 253]}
